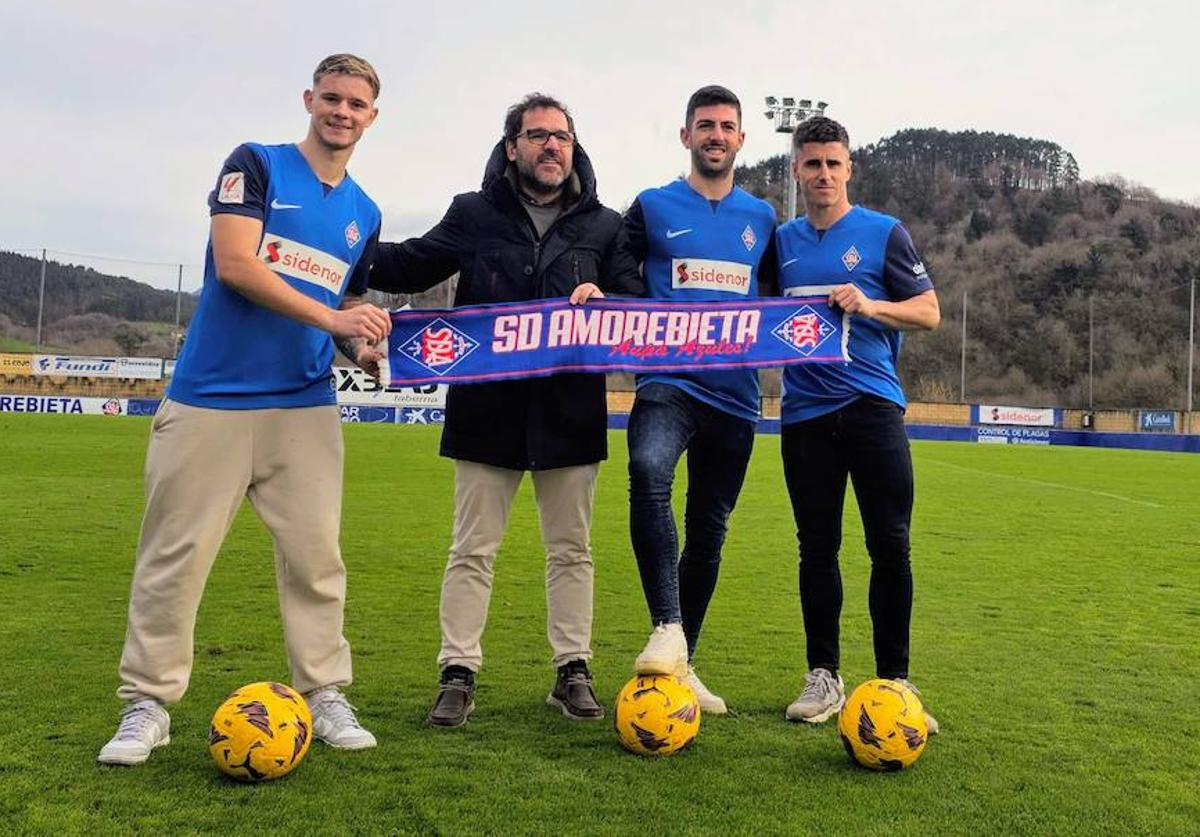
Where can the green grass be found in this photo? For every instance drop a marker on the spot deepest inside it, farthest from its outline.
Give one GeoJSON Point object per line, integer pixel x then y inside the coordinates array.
{"type": "Point", "coordinates": [15, 344]}
{"type": "Point", "coordinates": [1056, 635]}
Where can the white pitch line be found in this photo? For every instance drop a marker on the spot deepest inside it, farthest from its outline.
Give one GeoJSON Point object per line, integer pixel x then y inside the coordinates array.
{"type": "Point", "coordinates": [1043, 483]}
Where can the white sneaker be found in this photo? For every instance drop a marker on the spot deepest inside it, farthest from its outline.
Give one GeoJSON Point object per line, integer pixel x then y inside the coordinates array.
{"type": "Point", "coordinates": [144, 726]}
{"type": "Point", "coordinates": [822, 697]}
{"type": "Point", "coordinates": [710, 703]}
{"type": "Point", "coordinates": [665, 652]}
{"type": "Point", "coordinates": [334, 721]}
{"type": "Point", "coordinates": [930, 721]}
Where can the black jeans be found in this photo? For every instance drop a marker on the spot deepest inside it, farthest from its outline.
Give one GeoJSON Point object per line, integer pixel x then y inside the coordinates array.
{"type": "Point", "coordinates": [665, 422]}
{"type": "Point", "coordinates": [865, 440]}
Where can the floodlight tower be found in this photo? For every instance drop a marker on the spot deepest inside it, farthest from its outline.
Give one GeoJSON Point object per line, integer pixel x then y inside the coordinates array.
{"type": "Point", "coordinates": [787, 113]}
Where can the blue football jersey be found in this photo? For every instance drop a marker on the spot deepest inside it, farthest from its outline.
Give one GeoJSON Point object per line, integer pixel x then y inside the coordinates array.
{"type": "Point", "coordinates": [874, 252]}
{"type": "Point", "coordinates": [694, 249]}
{"type": "Point", "coordinates": [239, 355]}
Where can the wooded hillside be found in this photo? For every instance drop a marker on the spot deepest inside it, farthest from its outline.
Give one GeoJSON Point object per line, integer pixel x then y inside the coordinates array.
{"type": "Point", "coordinates": [1007, 221]}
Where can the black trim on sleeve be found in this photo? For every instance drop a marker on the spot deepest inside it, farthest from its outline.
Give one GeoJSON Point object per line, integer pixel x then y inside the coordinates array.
{"type": "Point", "coordinates": [904, 275]}
{"type": "Point", "coordinates": [635, 230]}
{"type": "Point", "coordinates": [619, 270]}
{"type": "Point", "coordinates": [255, 175]}
{"type": "Point", "coordinates": [768, 270]}
{"type": "Point", "coordinates": [357, 286]}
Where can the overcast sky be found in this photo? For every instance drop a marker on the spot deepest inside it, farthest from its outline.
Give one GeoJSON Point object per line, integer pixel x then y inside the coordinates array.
{"type": "Point", "coordinates": [119, 113]}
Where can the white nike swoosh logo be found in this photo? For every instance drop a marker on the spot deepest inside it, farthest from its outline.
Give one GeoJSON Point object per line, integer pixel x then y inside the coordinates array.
{"type": "Point", "coordinates": [677, 233]}
{"type": "Point", "coordinates": [275, 204]}
{"type": "Point", "coordinates": [789, 261]}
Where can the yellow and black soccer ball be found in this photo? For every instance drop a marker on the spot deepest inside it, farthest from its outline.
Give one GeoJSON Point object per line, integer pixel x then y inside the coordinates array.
{"type": "Point", "coordinates": [656, 715]}
{"type": "Point", "coordinates": [882, 725]}
{"type": "Point", "coordinates": [260, 732]}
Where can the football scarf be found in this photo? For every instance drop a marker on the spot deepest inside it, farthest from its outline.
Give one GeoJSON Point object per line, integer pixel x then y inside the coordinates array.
{"type": "Point", "coordinates": [549, 337]}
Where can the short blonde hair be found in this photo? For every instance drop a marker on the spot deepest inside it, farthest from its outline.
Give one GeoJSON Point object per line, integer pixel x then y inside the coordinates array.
{"type": "Point", "coordinates": [350, 65]}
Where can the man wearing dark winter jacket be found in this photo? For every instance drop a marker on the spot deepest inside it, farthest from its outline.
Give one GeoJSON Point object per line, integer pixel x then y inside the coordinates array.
{"type": "Point", "coordinates": [535, 230]}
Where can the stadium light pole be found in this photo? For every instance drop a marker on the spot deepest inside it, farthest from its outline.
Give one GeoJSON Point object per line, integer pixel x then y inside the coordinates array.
{"type": "Point", "coordinates": [1091, 345]}
{"type": "Point", "coordinates": [787, 112]}
{"type": "Point", "coordinates": [962, 359]}
{"type": "Point", "coordinates": [41, 302]}
{"type": "Point", "coordinates": [178, 303]}
{"type": "Point", "coordinates": [1191, 351]}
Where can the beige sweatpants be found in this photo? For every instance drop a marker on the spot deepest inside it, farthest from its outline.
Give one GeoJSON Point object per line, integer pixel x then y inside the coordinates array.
{"type": "Point", "coordinates": [482, 499]}
{"type": "Point", "coordinates": [199, 466]}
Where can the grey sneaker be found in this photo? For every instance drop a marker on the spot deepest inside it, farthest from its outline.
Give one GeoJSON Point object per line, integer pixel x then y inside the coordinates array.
{"type": "Point", "coordinates": [709, 703]}
{"type": "Point", "coordinates": [930, 721]}
{"type": "Point", "coordinates": [334, 721]}
{"type": "Point", "coordinates": [144, 726]}
{"type": "Point", "coordinates": [821, 699]}
{"type": "Point", "coordinates": [665, 652]}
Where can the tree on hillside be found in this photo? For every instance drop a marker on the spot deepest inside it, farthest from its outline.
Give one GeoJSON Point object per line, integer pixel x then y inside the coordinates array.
{"type": "Point", "coordinates": [129, 338]}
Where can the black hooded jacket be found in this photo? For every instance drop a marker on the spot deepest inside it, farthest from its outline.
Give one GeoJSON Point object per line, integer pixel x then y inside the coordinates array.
{"type": "Point", "coordinates": [489, 240]}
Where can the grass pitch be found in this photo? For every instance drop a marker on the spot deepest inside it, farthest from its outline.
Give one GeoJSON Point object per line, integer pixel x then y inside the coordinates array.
{"type": "Point", "coordinates": [1056, 634]}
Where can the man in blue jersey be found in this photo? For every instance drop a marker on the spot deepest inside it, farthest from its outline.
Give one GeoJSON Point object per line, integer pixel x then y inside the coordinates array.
{"type": "Point", "coordinates": [251, 412]}
{"type": "Point", "coordinates": [847, 419]}
{"type": "Point", "coordinates": [700, 239]}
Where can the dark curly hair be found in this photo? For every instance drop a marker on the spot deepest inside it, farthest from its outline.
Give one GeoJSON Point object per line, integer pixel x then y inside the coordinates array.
{"type": "Point", "coordinates": [516, 114]}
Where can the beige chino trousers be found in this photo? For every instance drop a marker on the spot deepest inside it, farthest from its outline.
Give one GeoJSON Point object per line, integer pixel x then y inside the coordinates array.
{"type": "Point", "coordinates": [199, 465]}
{"type": "Point", "coordinates": [483, 496]}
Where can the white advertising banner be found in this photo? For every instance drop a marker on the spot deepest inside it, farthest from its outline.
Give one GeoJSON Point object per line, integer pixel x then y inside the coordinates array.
{"type": "Point", "coordinates": [148, 368]}
{"type": "Point", "coordinates": [69, 366]}
{"type": "Point", "coordinates": [81, 367]}
{"type": "Point", "coordinates": [64, 405]}
{"type": "Point", "coordinates": [355, 386]}
{"type": "Point", "coordinates": [1027, 416]}
{"type": "Point", "coordinates": [1012, 436]}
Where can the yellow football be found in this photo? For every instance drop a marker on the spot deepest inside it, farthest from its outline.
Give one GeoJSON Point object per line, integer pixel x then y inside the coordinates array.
{"type": "Point", "coordinates": [656, 715]}
{"type": "Point", "coordinates": [260, 732]}
{"type": "Point", "coordinates": [882, 725]}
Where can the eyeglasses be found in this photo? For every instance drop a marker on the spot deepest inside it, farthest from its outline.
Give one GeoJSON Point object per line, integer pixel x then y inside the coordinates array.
{"type": "Point", "coordinates": [540, 136]}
